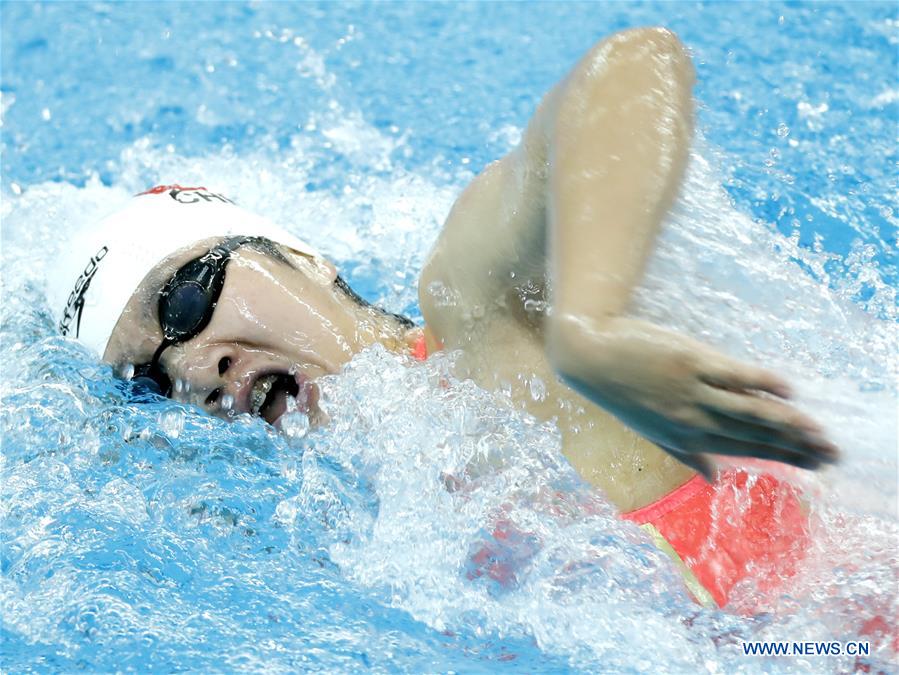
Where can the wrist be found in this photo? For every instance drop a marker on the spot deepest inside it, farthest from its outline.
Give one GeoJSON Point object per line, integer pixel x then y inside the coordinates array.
{"type": "Point", "coordinates": [572, 339]}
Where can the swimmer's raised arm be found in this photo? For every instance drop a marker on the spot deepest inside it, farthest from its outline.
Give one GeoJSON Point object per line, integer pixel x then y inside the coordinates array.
{"type": "Point", "coordinates": [618, 137]}
{"type": "Point", "coordinates": [598, 167]}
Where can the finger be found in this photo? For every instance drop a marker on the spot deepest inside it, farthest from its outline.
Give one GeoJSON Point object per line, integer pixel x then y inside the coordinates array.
{"type": "Point", "coordinates": [733, 375]}
{"type": "Point", "coordinates": [699, 462]}
{"type": "Point", "coordinates": [797, 431]}
{"type": "Point", "coordinates": [756, 410]}
{"type": "Point", "coordinates": [790, 438]}
{"type": "Point", "coordinates": [730, 446]}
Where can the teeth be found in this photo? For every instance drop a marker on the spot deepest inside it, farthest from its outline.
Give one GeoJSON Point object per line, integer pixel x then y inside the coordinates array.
{"type": "Point", "coordinates": [260, 390]}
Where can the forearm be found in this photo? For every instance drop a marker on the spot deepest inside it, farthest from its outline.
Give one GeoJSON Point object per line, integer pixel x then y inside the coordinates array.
{"type": "Point", "coordinates": [618, 141]}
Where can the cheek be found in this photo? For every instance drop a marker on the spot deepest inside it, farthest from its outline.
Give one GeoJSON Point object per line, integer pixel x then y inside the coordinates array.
{"type": "Point", "coordinates": [280, 310]}
{"type": "Point", "coordinates": [271, 314]}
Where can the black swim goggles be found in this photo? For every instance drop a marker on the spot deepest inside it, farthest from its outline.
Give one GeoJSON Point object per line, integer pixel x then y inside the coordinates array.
{"type": "Point", "coordinates": [186, 305]}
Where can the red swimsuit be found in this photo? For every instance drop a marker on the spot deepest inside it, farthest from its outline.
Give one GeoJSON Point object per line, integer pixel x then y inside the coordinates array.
{"type": "Point", "coordinates": [742, 526]}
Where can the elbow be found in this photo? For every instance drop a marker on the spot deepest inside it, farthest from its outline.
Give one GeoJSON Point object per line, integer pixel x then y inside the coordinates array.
{"type": "Point", "coordinates": [658, 47]}
{"type": "Point", "coordinates": [658, 39]}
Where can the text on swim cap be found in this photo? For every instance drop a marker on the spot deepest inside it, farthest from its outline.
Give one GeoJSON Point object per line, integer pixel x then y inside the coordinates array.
{"type": "Point", "coordinates": [187, 195]}
{"type": "Point", "coordinates": [75, 303]}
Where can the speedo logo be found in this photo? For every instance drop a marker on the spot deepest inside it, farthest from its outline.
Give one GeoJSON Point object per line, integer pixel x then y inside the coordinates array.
{"type": "Point", "coordinates": [187, 195]}
{"type": "Point", "coordinates": [75, 303]}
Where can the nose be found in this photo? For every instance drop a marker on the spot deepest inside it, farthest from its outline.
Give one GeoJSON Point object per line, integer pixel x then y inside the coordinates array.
{"type": "Point", "coordinates": [208, 376]}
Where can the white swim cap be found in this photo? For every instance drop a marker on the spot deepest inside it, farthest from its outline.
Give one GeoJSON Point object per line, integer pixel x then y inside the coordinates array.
{"type": "Point", "coordinates": [103, 266]}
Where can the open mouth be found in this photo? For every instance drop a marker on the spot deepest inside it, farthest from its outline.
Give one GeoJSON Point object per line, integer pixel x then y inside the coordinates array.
{"type": "Point", "coordinates": [272, 394]}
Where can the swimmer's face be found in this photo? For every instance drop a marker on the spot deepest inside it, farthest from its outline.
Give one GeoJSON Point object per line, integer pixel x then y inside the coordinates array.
{"type": "Point", "coordinates": [278, 325]}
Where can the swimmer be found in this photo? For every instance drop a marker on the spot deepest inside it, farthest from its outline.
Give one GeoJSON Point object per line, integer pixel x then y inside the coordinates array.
{"type": "Point", "coordinates": [219, 308]}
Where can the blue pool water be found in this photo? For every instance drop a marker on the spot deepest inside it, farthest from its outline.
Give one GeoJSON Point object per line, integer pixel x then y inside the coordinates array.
{"type": "Point", "coordinates": [149, 537]}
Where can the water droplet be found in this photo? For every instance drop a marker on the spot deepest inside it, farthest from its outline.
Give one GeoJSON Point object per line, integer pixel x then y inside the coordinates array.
{"type": "Point", "coordinates": [538, 389]}
{"type": "Point", "coordinates": [171, 422]}
{"type": "Point", "coordinates": [294, 425]}
{"type": "Point", "coordinates": [227, 402]}
{"type": "Point", "coordinates": [443, 296]}
{"type": "Point", "coordinates": [531, 305]}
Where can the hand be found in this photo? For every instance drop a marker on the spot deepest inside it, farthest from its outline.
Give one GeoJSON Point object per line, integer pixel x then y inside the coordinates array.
{"type": "Point", "coordinates": [684, 396]}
